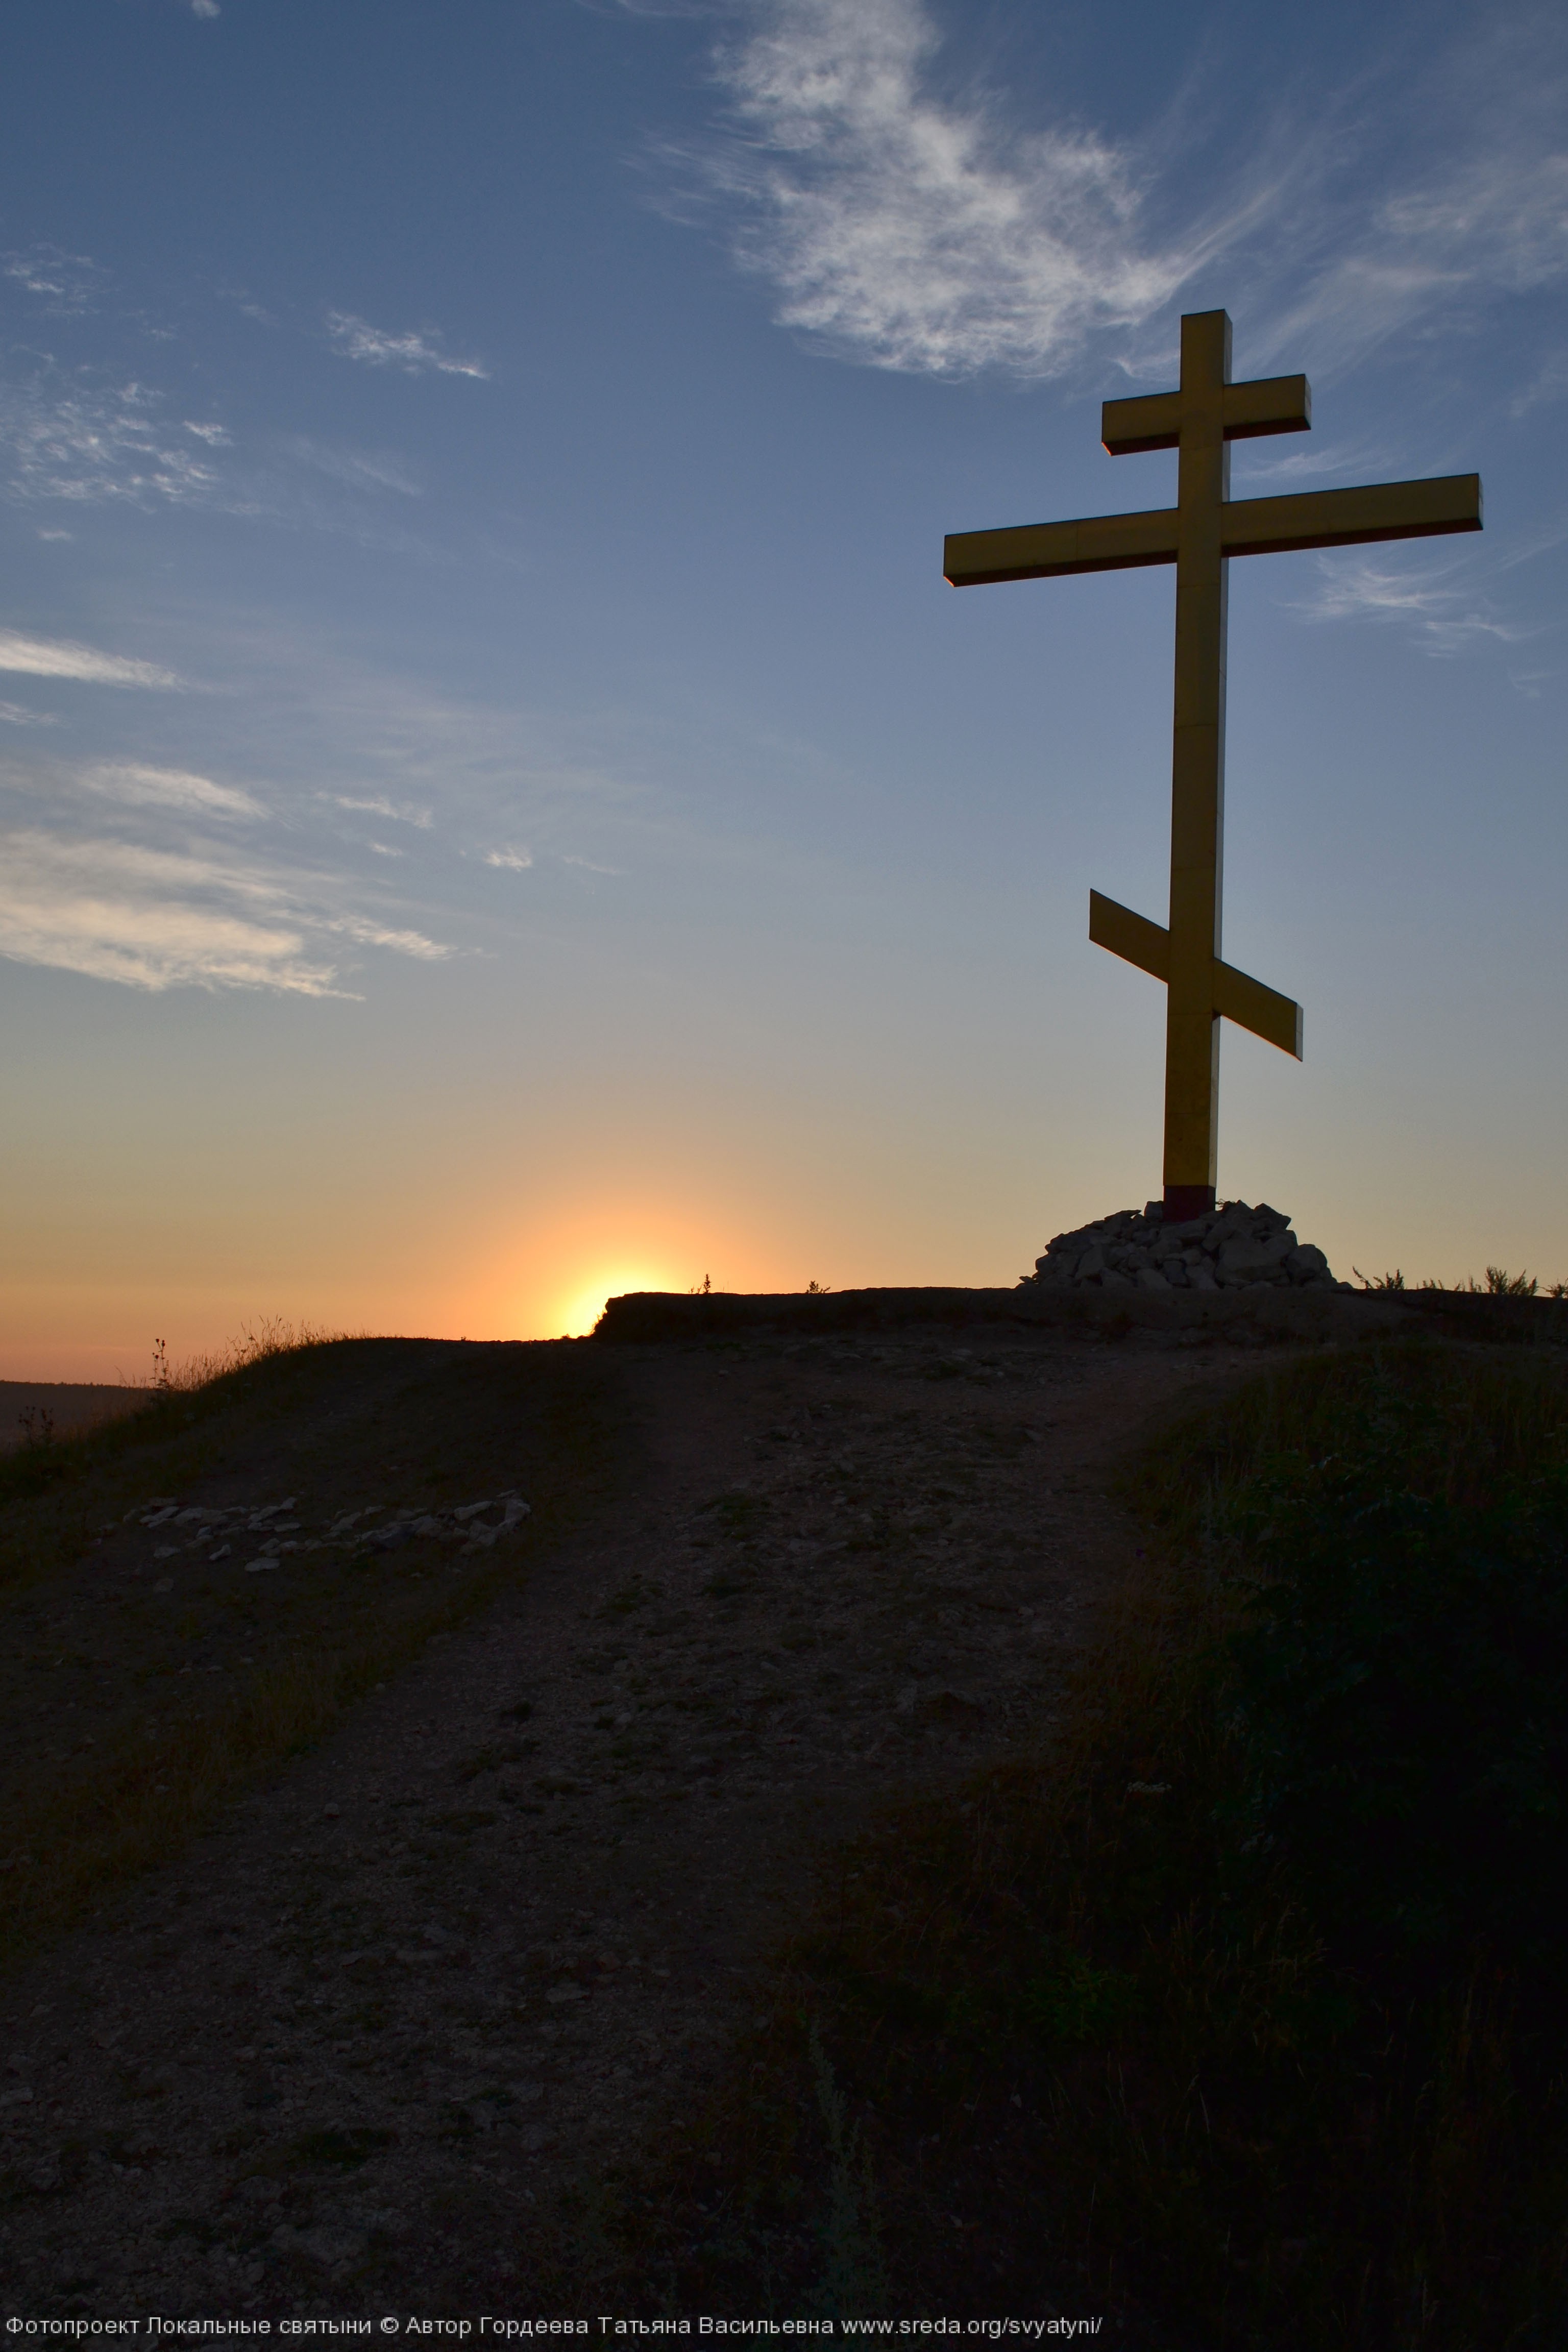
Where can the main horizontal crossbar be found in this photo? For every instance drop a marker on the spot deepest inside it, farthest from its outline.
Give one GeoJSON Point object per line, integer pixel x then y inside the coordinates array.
{"type": "Point", "coordinates": [1049, 550]}
{"type": "Point", "coordinates": [1240, 998]}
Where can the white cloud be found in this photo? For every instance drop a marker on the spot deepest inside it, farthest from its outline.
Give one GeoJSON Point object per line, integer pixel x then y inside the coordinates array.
{"type": "Point", "coordinates": [142, 917]}
{"type": "Point", "coordinates": [1494, 221]}
{"type": "Point", "coordinates": [72, 439]}
{"type": "Point", "coordinates": [41, 657]}
{"type": "Point", "coordinates": [379, 806]}
{"type": "Point", "coordinates": [360, 469]}
{"type": "Point", "coordinates": [205, 8]}
{"type": "Point", "coordinates": [516, 861]}
{"type": "Point", "coordinates": [173, 788]}
{"type": "Point", "coordinates": [66, 282]}
{"type": "Point", "coordinates": [415, 353]}
{"type": "Point", "coordinates": [1358, 588]}
{"type": "Point", "coordinates": [155, 919]}
{"type": "Point", "coordinates": [378, 935]}
{"type": "Point", "coordinates": [907, 226]}
{"type": "Point", "coordinates": [1529, 682]}
{"type": "Point", "coordinates": [80, 442]}
{"type": "Point", "coordinates": [1305, 461]}
{"type": "Point", "coordinates": [919, 235]}
{"type": "Point", "coordinates": [16, 714]}
{"type": "Point", "coordinates": [588, 866]}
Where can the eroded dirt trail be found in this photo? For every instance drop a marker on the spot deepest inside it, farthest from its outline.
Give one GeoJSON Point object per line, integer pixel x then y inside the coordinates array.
{"type": "Point", "coordinates": [372, 2044]}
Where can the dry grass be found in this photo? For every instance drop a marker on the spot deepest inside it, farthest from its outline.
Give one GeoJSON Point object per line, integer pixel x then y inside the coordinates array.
{"type": "Point", "coordinates": [271, 1335]}
{"type": "Point", "coordinates": [1499, 1284]}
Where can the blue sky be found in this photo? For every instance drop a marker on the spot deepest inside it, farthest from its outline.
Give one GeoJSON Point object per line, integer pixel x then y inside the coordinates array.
{"type": "Point", "coordinates": [498, 802]}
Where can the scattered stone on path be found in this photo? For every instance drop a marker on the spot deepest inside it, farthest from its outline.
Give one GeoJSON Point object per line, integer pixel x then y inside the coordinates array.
{"type": "Point", "coordinates": [1233, 1248]}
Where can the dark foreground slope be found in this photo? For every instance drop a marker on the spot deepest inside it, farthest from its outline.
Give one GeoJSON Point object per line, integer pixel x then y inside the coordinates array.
{"type": "Point", "coordinates": [666, 1907]}
{"type": "Point", "coordinates": [458, 1870]}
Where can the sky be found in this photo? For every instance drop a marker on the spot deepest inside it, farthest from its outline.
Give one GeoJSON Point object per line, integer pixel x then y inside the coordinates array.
{"type": "Point", "coordinates": [499, 805]}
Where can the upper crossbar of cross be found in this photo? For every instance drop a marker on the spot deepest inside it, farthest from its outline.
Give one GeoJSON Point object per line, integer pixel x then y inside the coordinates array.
{"type": "Point", "coordinates": [1199, 534]}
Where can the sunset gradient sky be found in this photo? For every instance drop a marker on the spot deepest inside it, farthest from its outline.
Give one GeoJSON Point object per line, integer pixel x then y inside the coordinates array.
{"type": "Point", "coordinates": [499, 805]}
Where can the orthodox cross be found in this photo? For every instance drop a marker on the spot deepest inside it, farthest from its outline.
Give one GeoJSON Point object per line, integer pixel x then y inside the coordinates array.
{"type": "Point", "coordinates": [1199, 534]}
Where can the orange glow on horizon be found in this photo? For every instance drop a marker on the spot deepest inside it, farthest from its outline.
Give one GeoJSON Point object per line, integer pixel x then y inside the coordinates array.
{"type": "Point", "coordinates": [583, 1311]}
{"type": "Point", "coordinates": [550, 1281]}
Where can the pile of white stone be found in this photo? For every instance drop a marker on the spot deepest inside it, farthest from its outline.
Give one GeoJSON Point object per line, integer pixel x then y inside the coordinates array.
{"type": "Point", "coordinates": [197, 1527]}
{"type": "Point", "coordinates": [1230, 1248]}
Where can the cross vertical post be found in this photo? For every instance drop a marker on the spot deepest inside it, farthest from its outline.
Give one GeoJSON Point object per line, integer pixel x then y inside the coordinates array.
{"type": "Point", "coordinates": [1199, 535]}
{"type": "Point", "coordinates": [1197, 772]}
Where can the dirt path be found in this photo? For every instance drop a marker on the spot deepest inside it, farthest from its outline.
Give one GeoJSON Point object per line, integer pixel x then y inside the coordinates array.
{"type": "Point", "coordinates": [379, 2042]}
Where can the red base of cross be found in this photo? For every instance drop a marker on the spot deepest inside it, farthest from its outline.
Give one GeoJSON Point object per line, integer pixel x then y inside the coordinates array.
{"type": "Point", "coordinates": [1186, 1201]}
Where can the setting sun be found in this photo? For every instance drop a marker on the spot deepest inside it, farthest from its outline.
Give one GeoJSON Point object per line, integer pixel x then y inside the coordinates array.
{"type": "Point", "coordinates": [583, 1310]}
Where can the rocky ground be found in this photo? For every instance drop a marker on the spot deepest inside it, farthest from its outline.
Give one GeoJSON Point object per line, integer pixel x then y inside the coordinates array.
{"type": "Point", "coordinates": [398, 2031]}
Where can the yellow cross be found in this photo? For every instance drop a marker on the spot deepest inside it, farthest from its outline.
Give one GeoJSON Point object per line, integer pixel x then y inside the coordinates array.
{"type": "Point", "coordinates": [1199, 534]}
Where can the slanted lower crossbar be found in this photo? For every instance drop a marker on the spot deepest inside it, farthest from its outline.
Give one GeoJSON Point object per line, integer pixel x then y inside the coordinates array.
{"type": "Point", "coordinates": [1237, 995]}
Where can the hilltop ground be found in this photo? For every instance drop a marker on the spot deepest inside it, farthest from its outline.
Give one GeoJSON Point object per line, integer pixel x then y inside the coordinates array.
{"type": "Point", "coordinates": [389, 2023]}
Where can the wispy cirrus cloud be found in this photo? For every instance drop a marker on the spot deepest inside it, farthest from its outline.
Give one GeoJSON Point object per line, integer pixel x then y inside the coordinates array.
{"type": "Point", "coordinates": [151, 917]}
{"type": "Point", "coordinates": [1306, 462]}
{"type": "Point", "coordinates": [68, 283]}
{"type": "Point", "coordinates": [205, 8]}
{"type": "Point", "coordinates": [368, 934]}
{"type": "Point", "coordinates": [147, 919]}
{"type": "Point", "coordinates": [58, 657]}
{"type": "Point", "coordinates": [71, 437]}
{"type": "Point", "coordinates": [135, 786]}
{"type": "Point", "coordinates": [909, 226]}
{"type": "Point", "coordinates": [1443, 620]}
{"type": "Point", "coordinates": [358, 470]}
{"type": "Point", "coordinates": [378, 804]}
{"type": "Point", "coordinates": [1493, 222]}
{"type": "Point", "coordinates": [911, 232]}
{"type": "Point", "coordinates": [514, 861]}
{"type": "Point", "coordinates": [416, 352]}
{"type": "Point", "coordinates": [16, 714]}
{"type": "Point", "coordinates": [92, 443]}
